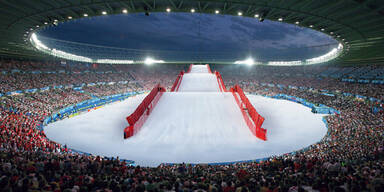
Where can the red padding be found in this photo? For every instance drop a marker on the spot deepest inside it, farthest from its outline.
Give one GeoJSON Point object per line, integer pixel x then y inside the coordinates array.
{"type": "Point", "coordinates": [220, 82]}
{"type": "Point", "coordinates": [253, 119]}
{"type": "Point", "coordinates": [176, 84]}
{"type": "Point", "coordinates": [190, 68]}
{"type": "Point", "coordinates": [138, 117]}
{"type": "Point", "coordinates": [180, 80]}
{"type": "Point", "coordinates": [209, 68]}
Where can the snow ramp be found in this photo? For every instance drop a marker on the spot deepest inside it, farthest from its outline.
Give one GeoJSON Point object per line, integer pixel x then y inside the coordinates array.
{"type": "Point", "coordinates": [198, 107]}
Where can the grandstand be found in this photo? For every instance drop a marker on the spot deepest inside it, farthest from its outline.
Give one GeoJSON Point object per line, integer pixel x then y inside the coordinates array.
{"type": "Point", "coordinates": [41, 85]}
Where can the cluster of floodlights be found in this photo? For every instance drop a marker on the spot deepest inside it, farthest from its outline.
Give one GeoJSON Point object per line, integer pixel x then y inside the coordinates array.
{"type": "Point", "coordinates": [62, 54]}
{"type": "Point", "coordinates": [335, 52]}
{"type": "Point", "coordinates": [149, 61]}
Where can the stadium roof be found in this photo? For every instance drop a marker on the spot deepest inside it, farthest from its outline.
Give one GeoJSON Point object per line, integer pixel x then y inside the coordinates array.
{"type": "Point", "coordinates": [359, 24]}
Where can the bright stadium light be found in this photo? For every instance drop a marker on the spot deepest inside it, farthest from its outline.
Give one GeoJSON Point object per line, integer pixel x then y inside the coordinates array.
{"type": "Point", "coordinates": [38, 44]}
{"type": "Point", "coordinates": [280, 19]}
{"type": "Point", "coordinates": [217, 12]}
{"type": "Point", "coordinates": [192, 10]}
{"type": "Point", "coordinates": [257, 15]}
{"type": "Point", "coordinates": [69, 17]}
{"type": "Point", "coordinates": [168, 10]}
{"type": "Point", "coordinates": [248, 61]}
{"type": "Point", "coordinates": [239, 13]}
{"type": "Point", "coordinates": [45, 23]}
{"type": "Point", "coordinates": [104, 12]}
{"type": "Point", "coordinates": [125, 11]}
{"type": "Point", "coordinates": [297, 22]}
{"type": "Point", "coordinates": [57, 53]}
{"type": "Point", "coordinates": [85, 15]}
{"type": "Point", "coordinates": [326, 57]}
{"type": "Point", "coordinates": [322, 29]}
{"type": "Point", "coordinates": [150, 61]}
{"type": "Point", "coordinates": [310, 26]}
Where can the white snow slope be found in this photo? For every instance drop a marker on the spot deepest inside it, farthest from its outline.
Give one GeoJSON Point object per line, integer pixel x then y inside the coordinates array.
{"type": "Point", "coordinates": [191, 127]}
{"type": "Point", "coordinates": [199, 82]}
{"type": "Point", "coordinates": [199, 69]}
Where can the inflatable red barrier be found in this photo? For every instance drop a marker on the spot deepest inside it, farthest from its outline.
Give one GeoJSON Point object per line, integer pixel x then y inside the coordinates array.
{"type": "Point", "coordinates": [138, 117]}
{"type": "Point", "coordinates": [190, 68]}
{"type": "Point", "coordinates": [220, 82]}
{"type": "Point", "coordinates": [177, 83]}
{"type": "Point", "coordinates": [253, 119]}
{"type": "Point", "coordinates": [209, 68]}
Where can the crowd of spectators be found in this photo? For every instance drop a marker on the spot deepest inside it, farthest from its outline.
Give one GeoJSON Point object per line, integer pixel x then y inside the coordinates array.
{"type": "Point", "coordinates": [349, 158]}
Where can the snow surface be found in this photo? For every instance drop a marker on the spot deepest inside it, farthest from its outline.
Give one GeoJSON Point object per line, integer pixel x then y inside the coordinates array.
{"type": "Point", "coordinates": [199, 69]}
{"type": "Point", "coordinates": [199, 124]}
{"type": "Point", "coordinates": [290, 126]}
{"type": "Point", "coordinates": [199, 82]}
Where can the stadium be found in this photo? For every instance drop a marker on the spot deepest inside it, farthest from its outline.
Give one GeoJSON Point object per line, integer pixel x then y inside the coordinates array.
{"type": "Point", "coordinates": [175, 95]}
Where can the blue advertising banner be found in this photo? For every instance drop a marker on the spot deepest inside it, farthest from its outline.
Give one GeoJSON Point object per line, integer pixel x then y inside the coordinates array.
{"type": "Point", "coordinates": [30, 90]}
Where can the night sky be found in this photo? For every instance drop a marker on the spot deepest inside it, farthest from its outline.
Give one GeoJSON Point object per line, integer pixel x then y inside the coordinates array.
{"type": "Point", "coordinates": [195, 32]}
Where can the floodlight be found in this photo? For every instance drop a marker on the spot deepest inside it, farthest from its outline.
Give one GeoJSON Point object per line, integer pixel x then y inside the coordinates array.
{"type": "Point", "coordinates": [297, 22]}
{"type": "Point", "coordinates": [104, 12]}
{"type": "Point", "coordinates": [192, 10]}
{"type": "Point", "coordinates": [280, 19]}
{"type": "Point", "coordinates": [55, 20]}
{"type": "Point", "coordinates": [322, 29]}
{"type": "Point", "coordinates": [310, 26]}
{"type": "Point", "coordinates": [168, 10]}
{"type": "Point", "coordinates": [125, 11]}
{"type": "Point", "coordinates": [248, 61]}
{"type": "Point", "coordinates": [85, 15]}
{"type": "Point", "coordinates": [217, 12]}
{"type": "Point", "coordinates": [150, 61]}
{"type": "Point", "coordinates": [69, 17]}
{"type": "Point", "coordinates": [45, 23]}
{"type": "Point", "coordinates": [256, 15]}
{"type": "Point", "coordinates": [239, 13]}
{"type": "Point", "coordinates": [37, 26]}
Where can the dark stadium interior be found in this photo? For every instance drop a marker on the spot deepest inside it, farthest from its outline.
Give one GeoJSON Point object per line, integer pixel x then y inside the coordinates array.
{"type": "Point", "coordinates": [35, 85]}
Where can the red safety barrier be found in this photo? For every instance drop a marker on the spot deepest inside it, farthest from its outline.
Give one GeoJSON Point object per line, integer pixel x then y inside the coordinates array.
{"type": "Point", "coordinates": [190, 68]}
{"type": "Point", "coordinates": [220, 82]}
{"type": "Point", "coordinates": [253, 119]}
{"type": "Point", "coordinates": [209, 68]}
{"type": "Point", "coordinates": [177, 83]}
{"type": "Point", "coordinates": [139, 116]}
